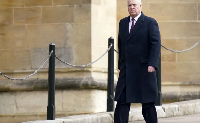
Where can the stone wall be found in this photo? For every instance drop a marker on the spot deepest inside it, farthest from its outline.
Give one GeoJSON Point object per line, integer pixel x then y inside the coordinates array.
{"type": "Point", "coordinates": [80, 30]}
{"type": "Point", "coordinates": [29, 26]}
{"type": "Point", "coordinates": [179, 22]}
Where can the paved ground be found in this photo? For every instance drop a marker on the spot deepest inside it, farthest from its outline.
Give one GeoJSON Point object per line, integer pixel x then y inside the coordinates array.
{"type": "Point", "coordinates": [182, 119]}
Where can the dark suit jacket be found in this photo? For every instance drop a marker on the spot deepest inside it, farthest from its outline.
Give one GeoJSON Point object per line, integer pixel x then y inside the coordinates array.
{"type": "Point", "coordinates": [137, 51]}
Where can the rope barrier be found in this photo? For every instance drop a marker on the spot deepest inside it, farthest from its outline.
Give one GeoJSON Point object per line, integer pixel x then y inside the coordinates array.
{"type": "Point", "coordinates": [176, 51]}
{"type": "Point", "coordinates": [181, 51]}
{"type": "Point", "coordinates": [81, 66]}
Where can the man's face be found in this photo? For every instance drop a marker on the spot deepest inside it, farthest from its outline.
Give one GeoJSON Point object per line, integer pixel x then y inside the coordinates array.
{"type": "Point", "coordinates": [134, 8]}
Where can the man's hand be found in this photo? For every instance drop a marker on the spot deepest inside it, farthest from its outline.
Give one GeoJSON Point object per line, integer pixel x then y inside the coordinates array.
{"type": "Point", "coordinates": [151, 69]}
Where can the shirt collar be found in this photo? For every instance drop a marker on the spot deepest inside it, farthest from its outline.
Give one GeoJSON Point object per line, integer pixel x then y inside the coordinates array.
{"type": "Point", "coordinates": [136, 18]}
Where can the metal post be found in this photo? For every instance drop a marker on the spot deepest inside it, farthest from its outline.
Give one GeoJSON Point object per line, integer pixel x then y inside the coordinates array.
{"type": "Point", "coordinates": [51, 84]}
{"type": "Point", "coordinates": [110, 88]}
{"type": "Point", "coordinates": [158, 73]}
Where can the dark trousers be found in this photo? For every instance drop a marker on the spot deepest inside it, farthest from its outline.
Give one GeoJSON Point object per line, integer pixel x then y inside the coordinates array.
{"type": "Point", "coordinates": [122, 109]}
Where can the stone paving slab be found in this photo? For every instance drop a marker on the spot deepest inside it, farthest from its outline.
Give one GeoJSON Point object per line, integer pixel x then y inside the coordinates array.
{"type": "Point", "coordinates": [180, 119]}
{"type": "Point", "coordinates": [164, 111]}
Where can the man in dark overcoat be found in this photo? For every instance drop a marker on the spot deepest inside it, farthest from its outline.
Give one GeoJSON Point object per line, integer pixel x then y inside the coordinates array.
{"type": "Point", "coordinates": [139, 46]}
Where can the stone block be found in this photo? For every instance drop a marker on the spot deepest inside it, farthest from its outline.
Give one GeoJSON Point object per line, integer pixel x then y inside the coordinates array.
{"type": "Point", "coordinates": [179, 29]}
{"type": "Point", "coordinates": [27, 15]}
{"type": "Point", "coordinates": [7, 102]}
{"type": "Point", "coordinates": [36, 101]}
{"type": "Point", "coordinates": [173, 11]}
{"type": "Point", "coordinates": [78, 35]}
{"type": "Point", "coordinates": [71, 2]}
{"type": "Point", "coordinates": [71, 102]}
{"type": "Point", "coordinates": [166, 55]}
{"type": "Point", "coordinates": [40, 36]}
{"type": "Point", "coordinates": [11, 3]}
{"type": "Point", "coordinates": [29, 102]}
{"type": "Point", "coordinates": [82, 14]}
{"type": "Point", "coordinates": [38, 3]}
{"type": "Point", "coordinates": [13, 37]}
{"type": "Point", "coordinates": [180, 72]}
{"type": "Point", "coordinates": [62, 14]}
{"type": "Point", "coordinates": [20, 59]}
{"type": "Point", "coordinates": [6, 17]}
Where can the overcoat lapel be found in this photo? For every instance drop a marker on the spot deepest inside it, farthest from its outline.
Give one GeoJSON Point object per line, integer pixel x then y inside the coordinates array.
{"type": "Point", "coordinates": [126, 28]}
{"type": "Point", "coordinates": [136, 27]}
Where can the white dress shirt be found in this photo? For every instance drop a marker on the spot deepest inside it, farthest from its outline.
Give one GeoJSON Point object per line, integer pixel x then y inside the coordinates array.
{"type": "Point", "coordinates": [135, 20]}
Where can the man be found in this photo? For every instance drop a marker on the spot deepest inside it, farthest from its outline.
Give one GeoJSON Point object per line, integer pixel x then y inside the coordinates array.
{"type": "Point", "coordinates": [139, 49]}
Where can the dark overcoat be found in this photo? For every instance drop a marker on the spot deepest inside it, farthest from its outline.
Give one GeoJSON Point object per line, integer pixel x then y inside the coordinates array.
{"type": "Point", "coordinates": [137, 51]}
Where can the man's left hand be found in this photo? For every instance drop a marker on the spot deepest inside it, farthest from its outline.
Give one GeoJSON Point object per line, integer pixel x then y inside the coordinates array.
{"type": "Point", "coordinates": [151, 69]}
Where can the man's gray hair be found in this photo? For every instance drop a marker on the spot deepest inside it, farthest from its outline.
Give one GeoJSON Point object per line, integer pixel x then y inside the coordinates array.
{"type": "Point", "coordinates": [139, 1]}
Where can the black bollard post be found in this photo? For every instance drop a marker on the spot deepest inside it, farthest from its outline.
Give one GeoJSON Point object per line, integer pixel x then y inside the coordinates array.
{"type": "Point", "coordinates": [158, 74]}
{"type": "Point", "coordinates": [51, 84]}
{"type": "Point", "coordinates": [110, 88]}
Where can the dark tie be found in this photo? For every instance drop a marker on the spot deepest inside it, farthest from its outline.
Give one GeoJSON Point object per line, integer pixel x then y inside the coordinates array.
{"type": "Point", "coordinates": [132, 25]}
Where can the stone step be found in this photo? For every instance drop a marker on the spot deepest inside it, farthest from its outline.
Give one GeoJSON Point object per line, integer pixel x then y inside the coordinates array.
{"type": "Point", "coordinates": [164, 111]}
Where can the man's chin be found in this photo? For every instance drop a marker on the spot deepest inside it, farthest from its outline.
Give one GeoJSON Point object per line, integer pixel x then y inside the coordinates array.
{"type": "Point", "coordinates": [133, 15]}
